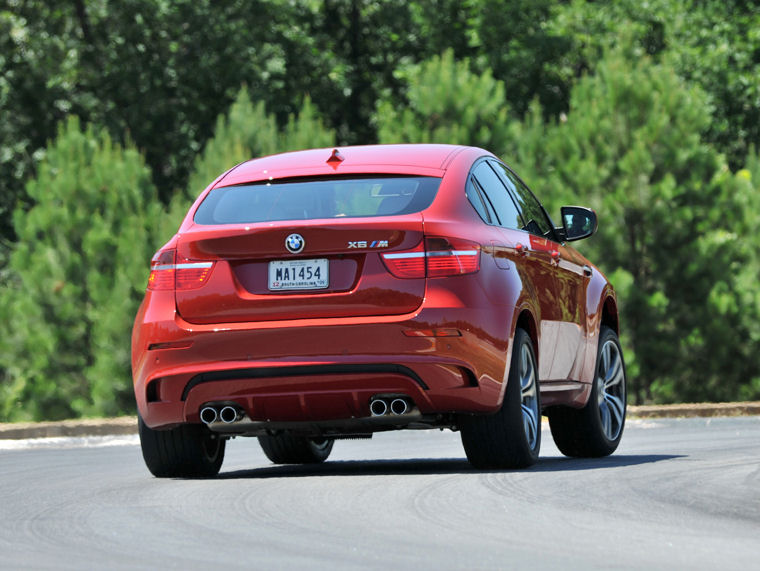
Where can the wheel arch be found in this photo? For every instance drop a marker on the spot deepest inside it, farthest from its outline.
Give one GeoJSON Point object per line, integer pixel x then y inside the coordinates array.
{"type": "Point", "coordinates": [527, 322]}
{"type": "Point", "coordinates": [610, 314]}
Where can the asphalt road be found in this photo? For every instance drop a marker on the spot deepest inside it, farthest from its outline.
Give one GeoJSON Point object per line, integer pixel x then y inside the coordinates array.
{"type": "Point", "coordinates": [678, 494]}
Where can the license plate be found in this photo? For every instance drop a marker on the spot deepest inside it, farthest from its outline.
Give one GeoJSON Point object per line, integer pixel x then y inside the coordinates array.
{"type": "Point", "coordinates": [299, 274]}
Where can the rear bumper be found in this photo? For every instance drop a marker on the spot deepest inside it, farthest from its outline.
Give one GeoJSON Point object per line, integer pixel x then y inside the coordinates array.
{"type": "Point", "coordinates": [318, 370]}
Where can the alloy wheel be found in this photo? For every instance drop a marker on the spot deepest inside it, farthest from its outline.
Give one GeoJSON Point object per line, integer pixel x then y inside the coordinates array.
{"type": "Point", "coordinates": [529, 400]}
{"type": "Point", "coordinates": [610, 387]}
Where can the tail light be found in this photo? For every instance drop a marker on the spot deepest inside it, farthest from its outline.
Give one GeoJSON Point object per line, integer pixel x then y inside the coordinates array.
{"type": "Point", "coordinates": [409, 264]}
{"type": "Point", "coordinates": [450, 257]}
{"type": "Point", "coordinates": [440, 257]}
{"type": "Point", "coordinates": [162, 270]}
{"type": "Point", "coordinates": [169, 273]}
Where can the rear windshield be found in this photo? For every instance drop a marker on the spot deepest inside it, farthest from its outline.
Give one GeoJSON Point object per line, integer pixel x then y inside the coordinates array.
{"type": "Point", "coordinates": [317, 198]}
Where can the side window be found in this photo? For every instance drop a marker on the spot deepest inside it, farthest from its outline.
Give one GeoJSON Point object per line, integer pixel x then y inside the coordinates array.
{"type": "Point", "coordinates": [492, 218]}
{"type": "Point", "coordinates": [536, 221]}
{"type": "Point", "coordinates": [476, 199]}
{"type": "Point", "coordinates": [496, 193]}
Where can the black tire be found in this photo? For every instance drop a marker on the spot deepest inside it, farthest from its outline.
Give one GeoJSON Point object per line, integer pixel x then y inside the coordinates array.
{"type": "Point", "coordinates": [596, 429]}
{"type": "Point", "coordinates": [189, 451]}
{"type": "Point", "coordinates": [285, 448]}
{"type": "Point", "coordinates": [510, 438]}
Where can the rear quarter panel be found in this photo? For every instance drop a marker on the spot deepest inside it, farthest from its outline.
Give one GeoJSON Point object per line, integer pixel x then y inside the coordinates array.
{"type": "Point", "coordinates": [598, 292]}
{"type": "Point", "coordinates": [501, 286]}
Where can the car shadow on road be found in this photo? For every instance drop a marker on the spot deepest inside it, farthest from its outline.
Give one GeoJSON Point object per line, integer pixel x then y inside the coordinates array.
{"type": "Point", "coordinates": [562, 464]}
{"type": "Point", "coordinates": [430, 466]}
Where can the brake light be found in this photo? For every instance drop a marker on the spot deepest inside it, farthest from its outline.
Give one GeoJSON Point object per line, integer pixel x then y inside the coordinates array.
{"type": "Point", "coordinates": [440, 257]}
{"type": "Point", "coordinates": [168, 273]}
{"type": "Point", "coordinates": [409, 264]}
{"type": "Point", "coordinates": [451, 257]}
{"type": "Point", "coordinates": [162, 270]}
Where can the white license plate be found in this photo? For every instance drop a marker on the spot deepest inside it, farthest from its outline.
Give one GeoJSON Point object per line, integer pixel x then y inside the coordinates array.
{"type": "Point", "coordinates": [299, 274]}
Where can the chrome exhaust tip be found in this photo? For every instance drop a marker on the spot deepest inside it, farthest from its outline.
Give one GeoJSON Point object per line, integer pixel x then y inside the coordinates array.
{"type": "Point", "coordinates": [208, 415]}
{"type": "Point", "coordinates": [378, 407]}
{"type": "Point", "coordinates": [399, 406]}
{"type": "Point", "coordinates": [230, 414]}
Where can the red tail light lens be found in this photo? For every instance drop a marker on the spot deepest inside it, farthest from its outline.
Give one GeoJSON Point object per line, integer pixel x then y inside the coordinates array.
{"type": "Point", "coordinates": [168, 273]}
{"type": "Point", "coordinates": [441, 257]}
{"type": "Point", "coordinates": [162, 270]}
{"type": "Point", "coordinates": [409, 264]}
{"type": "Point", "coordinates": [451, 257]}
{"type": "Point", "coordinates": [192, 275]}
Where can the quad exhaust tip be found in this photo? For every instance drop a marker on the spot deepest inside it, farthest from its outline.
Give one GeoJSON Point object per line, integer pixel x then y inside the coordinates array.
{"type": "Point", "coordinates": [378, 407]}
{"type": "Point", "coordinates": [389, 406]}
{"type": "Point", "coordinates": [399, 406]}
{"type": "Point", "coordinates": [227, 414]}
{"type": "Point", "coordinates": [230, 414]}
{"type": "Point", "coordinates": [208, 415]}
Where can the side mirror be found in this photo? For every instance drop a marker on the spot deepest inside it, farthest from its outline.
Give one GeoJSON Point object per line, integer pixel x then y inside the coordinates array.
{"type": "Point", "coordinates": [577, 222]}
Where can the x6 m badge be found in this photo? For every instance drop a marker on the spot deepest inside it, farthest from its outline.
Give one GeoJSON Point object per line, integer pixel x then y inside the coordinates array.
{"type": "Point", "coordinates": [365, 244]}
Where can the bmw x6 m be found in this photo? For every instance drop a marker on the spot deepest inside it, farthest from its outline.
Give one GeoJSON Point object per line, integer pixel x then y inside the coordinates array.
{"type": "Point", "coordinates": [334, 293]}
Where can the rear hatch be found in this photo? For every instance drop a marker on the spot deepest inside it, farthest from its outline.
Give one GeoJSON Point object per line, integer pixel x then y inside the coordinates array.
{"type": "Point", "coordinates": [304, 248]}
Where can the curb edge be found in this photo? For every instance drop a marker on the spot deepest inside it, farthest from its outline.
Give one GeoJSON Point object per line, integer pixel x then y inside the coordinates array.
{"type": "Point", "coordinates": [128, 424]}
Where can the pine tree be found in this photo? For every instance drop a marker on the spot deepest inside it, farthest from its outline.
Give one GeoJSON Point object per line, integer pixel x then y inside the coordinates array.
{"type": "Point", "coordinates": [246, 131]}
{"type": "Point", "coordinates": [671, 222]}
{"type": "Point", "coordinates": [734, 297]}
{"type": "Point", "coordinates": [305, 130]}
{"type": "Point", "coordinates": [447, 103]}
{"type": "Point", "coordinates": [76, 277]}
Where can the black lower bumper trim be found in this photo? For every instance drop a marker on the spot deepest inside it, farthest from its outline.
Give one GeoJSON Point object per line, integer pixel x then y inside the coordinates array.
{"type": "Point", "coordinates": [301, 370]}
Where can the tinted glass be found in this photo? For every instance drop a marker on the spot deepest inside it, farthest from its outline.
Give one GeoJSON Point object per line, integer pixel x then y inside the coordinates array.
{"type": "Point", "coordinates": [317, 198]}
{"type": "Point", "coordinates": [494, 189]}
{"type": "Point", "coordinates": [536, 221]}
{"type": "Point", "coordinates": [475, 196]}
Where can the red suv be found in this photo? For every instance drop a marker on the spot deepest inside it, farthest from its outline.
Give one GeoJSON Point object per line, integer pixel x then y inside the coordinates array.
{"type": "Point", "coordinates": [334, 293]}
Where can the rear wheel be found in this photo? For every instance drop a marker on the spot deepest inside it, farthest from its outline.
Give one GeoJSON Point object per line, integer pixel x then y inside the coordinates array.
{"type": "Point", "coordinates": [596, 429]}
{"type": "Point", "coordinates": [511, 438]}
{"type": "Point", "coordinates": [189, 450]}
{"type": "Point", "coordinates": [286, 448]}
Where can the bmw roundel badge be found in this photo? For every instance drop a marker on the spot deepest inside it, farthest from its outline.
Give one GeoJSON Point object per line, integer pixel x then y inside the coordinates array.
{"type": "Point", "coordinates": [294, 243]}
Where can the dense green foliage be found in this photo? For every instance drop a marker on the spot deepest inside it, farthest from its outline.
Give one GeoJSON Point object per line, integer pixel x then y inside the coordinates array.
{"type": "Point", "coordinates": [713, 44]}
{"type": "Point", "coordinates": [650, 113]}
{"type": "Point", "coordinates": [75, 279]}
{"type": "Point", "coordinates": [446, 103]}
{"type": "Point", "coordinates": [631, 147]}
{"type": "Point", "coordinates": [246, 131]}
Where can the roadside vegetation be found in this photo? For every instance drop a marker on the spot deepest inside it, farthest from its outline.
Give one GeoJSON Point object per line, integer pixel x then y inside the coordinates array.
{"type": "Point", "coordinates": [115, 115]}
